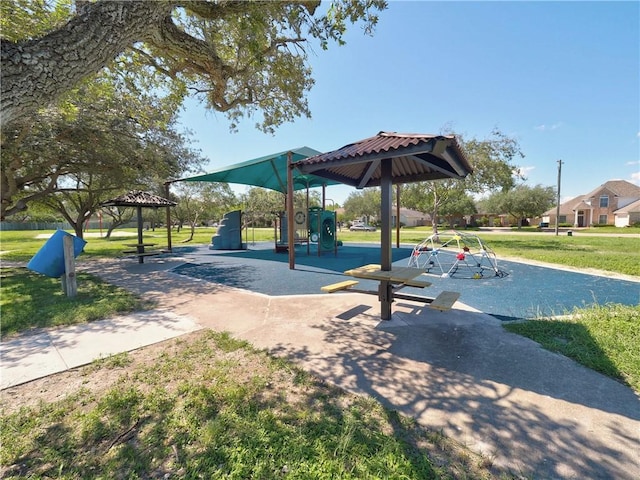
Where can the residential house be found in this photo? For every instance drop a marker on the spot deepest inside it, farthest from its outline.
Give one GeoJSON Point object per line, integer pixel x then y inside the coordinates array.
{"type": "Point", "coordinates": [616, 202]}
{"type": "Point", "coordinates": [410, 218]}
{"type": "Point", "coordinates": [629, 215]}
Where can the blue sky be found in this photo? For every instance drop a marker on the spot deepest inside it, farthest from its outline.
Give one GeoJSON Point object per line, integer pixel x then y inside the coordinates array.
{"type": "Point", "coordinates": [563, 78]}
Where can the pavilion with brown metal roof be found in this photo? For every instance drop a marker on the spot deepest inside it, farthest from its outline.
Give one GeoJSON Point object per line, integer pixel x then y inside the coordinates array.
{"type": "Point", "coordinates": [383, 160]}
{"type": "Point", "coordinates": [140, 199]}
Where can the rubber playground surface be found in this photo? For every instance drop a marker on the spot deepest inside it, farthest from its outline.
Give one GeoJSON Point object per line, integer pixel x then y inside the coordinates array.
{"type": "Point", "coordinates": [522, 291]}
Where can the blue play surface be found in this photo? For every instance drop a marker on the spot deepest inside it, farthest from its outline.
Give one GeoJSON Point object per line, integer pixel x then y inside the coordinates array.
{"type": "Point", "coordinates": [525, 291]}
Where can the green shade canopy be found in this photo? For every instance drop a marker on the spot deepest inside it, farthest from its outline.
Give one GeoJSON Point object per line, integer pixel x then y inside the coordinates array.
{"type": "Point", "coordinates": [269, 172]}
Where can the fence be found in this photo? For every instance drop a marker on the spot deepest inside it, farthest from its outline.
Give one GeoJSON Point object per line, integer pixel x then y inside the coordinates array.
{"type": "Point", "coordinates": [93, 225]}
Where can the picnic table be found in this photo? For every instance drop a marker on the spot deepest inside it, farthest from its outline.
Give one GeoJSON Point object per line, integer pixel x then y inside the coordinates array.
{"type": "Point", "coordinates": [140, 250]}
{"type": "Point", "coordinates": [391, 281]}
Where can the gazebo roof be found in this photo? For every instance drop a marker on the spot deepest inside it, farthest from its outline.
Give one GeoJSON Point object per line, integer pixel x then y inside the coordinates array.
{"type": "Point", "coordinates": [138, 198]}
{"type": "Point", "coordinates": [415, 158]}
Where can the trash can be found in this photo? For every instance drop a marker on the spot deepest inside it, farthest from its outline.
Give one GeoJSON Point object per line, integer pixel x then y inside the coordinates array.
{"type": "Point", "coordinates": [569, 233]}
{"type": "Point", "coordinates": [49, 260]}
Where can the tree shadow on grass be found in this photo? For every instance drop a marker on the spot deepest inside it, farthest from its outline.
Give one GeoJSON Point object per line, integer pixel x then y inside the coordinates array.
{"type": "Point", "coordinates": [572, 340]}
{"type": "Point", "coordinates": [529, 410]}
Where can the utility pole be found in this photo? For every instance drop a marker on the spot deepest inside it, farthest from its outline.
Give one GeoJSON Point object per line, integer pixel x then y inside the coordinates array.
{"type": "Point", "coordinates": [558, 198]}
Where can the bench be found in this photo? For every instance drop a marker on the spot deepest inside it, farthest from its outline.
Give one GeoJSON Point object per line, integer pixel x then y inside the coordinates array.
{"type": "Point", "coordinates": [445, 300]}
{"type": "Point", "coordinates": [417, 283]}
{"type": "Point", "coordinates": [336, 287]}
{"type": "Point", "coordinates": [136, 253]}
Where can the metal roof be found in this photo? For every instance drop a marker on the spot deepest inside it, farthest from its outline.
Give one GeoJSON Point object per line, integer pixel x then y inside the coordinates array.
{"type": "Point", "coordinates": [415, 158]}
{"type": "Point", "coordinates": [138, 198]}
{"type": "Point", "coordinates": [269, 171]}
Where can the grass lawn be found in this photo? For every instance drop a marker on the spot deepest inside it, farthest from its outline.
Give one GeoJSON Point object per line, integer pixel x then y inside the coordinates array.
{"type": "Point", "coordinates": [207, 406]}
{"type": "Point", "coordinates": [618, 254]}
{"type": "Point", "coordinates": [605, 338]}
{"type": "Point", "coordinates": [30, 300]}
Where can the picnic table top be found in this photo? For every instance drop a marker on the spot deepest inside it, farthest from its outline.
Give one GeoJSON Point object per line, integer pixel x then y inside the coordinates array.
{"type": "Point", "coordinates": [396, 274]}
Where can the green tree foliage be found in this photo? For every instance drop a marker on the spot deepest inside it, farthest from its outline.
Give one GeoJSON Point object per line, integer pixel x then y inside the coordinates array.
{"type": "Point", "coordinates": [242, 58]}
{"type": "Point", "coordinates": [458, 206]}
{"type": "Point", "coordinates": [493, 169]}
{"type": "Point", "coordinates": [522, 202]}
{"type": "Point", "coordinates": [23, 19]}
{"type": "Point", "coordinates": [101, 140]}
{"type": "Point", "coordinates": [493, 164]}
{"type": "Point", "coordinates": [201, 202]}
{"type": "Point", "coordinates": [363, 203]}
{"type": "Point", "coordinates": [262, 206]}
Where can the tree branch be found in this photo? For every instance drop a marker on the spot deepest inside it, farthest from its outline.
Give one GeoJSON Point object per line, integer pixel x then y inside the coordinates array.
{"type": "Point", "coordinates": [36, 72]}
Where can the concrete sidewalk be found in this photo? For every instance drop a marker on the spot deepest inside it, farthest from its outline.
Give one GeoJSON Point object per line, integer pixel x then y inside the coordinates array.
{"type": "Point", "coordinates": [537, 413]}
{"type": "Point", "coordinates": [33, 356]}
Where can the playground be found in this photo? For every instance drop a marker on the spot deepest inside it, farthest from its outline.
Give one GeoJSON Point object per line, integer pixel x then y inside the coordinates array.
{"type": "Point", "coordinates": [521, 291]}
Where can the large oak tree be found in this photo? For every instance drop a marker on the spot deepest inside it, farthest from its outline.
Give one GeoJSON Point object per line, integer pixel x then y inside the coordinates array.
{"type": "Point", "coordinates": [243, 57]}
{"type": "Point", "coordinates": [492, 159]}
{"type": "Point", "coordinates": [100, 138]}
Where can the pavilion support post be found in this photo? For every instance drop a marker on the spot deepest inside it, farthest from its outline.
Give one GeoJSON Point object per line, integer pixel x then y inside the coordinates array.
{"type": "Point", "coordinates": [166, 192]}
{"type": "Point", "coordinates": [140, 242]}
{"type": "Point", "coordinates": [290, 224]}
{"type": "Point", "coordinates": [398, 216]}
{"type": "Point", "coordinates": [385, 290]}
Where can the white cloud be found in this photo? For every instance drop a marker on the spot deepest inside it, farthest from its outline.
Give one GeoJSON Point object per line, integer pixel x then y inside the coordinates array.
{"type": "Point", "coordinates": [635, 178]}
{"type": "Point", "coordinates": [633, 162]}
{"type": "Point", "coordinates": [638, 135]}
{"type": "Point", "coordinates": [525, 171]}
{"type": "Point", "coordinates": [544, 127]}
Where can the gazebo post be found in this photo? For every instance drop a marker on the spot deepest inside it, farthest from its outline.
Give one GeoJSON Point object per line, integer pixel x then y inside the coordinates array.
{"type": "Point", "coordinates": [385, 290]}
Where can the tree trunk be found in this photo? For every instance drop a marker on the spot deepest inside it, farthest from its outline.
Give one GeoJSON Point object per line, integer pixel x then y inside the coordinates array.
{"type": "Point", "coordinates": [36, 72]}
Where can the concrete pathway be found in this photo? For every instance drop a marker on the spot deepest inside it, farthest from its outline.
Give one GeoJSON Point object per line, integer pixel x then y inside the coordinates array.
{"type": "Point", "coordinates": [28, 357]}
{"type": "Point", "coordinates": [537, 413]}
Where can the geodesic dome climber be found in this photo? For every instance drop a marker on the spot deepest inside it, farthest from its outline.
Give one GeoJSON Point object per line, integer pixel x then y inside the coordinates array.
{"type": "Point", "coordinates": [452, 253]}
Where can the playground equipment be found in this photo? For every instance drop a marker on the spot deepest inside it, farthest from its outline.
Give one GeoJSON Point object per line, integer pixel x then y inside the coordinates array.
{"type": "Point", "coordinates": [229, 233]}
{"type": "Point", "coordinates": [452, 253]}
{"type": "Point", "coordinates": [322, 229]}
{"type": "Point", "coordinates": [313, 226]}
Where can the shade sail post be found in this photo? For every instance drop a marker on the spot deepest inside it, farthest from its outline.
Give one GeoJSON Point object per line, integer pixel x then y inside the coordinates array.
{"type": "Point", "coordinates": [290, 231]}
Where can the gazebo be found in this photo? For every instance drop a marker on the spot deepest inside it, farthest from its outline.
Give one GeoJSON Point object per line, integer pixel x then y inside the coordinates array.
{"type": "Point", "coordinates": [383, 160]}
{"type": "Point", "coordinates": [140, 200]}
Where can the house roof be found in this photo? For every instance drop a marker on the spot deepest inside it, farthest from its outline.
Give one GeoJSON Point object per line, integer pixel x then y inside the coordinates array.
{"type": "Point", "coordinates": [415, 158]}
{"type": "Point", "coordinates": [138, 198]}
{"type": "Point", "coordinates": [633, 207]}
{"type": "Point", "coordinates": [569, 206]}
{"type": "Point", "coordinates": [407, 212]}
{"type": "Point", "coordinates": [620, 188]}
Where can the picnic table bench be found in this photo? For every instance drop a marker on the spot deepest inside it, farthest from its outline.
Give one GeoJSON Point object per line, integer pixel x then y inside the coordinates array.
{"type": "Point", "coordinates": [140, 250]}
{"type": "Point", "coordinates": [397, 278]}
